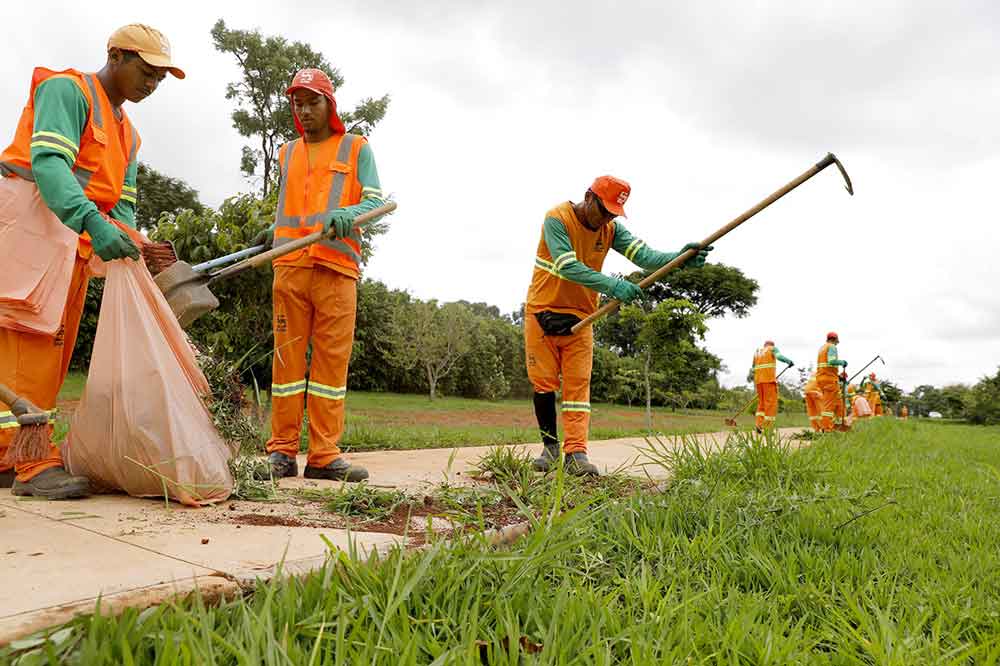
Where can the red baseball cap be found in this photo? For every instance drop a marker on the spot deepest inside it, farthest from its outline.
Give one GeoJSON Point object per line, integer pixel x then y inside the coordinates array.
{"type": "Point", "coordinates": [768, 343]}
{"type": "Point", "coordinates": [832, 336]}
{"type": "Point", "coordinates": [318, 82]}
{"type": "Point", "coordinates": [613, 193]}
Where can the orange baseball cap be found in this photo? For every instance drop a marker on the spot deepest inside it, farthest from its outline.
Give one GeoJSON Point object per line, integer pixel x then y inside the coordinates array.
{"type": "Point", "coordinates": [148, 42]}
{"type": "Point", "coordinates": [613, 193]}
{"type": "Point", "coordinates": [318, 82]}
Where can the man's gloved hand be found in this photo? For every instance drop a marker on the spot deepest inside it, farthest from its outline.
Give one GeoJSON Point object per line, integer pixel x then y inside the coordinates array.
{"type": "Point", "coordinates": [698, 260]}
{"type": "Point", "coordinates": [750, 376]}
{"type": "Point", "coordinates": [265, 238]}
{"type": "Point", "coordinates": [341, 221]}
{"type": "Point", "coordinates": [109, 241]}
{"type": "Point", "coordinates": [791, 364]}
{"type": "Point", "coordinates": [626, 291]}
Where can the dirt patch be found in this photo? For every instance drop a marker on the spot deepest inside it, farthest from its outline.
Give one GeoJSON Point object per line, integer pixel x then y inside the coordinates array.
{"type": "Point", "coordinates": [263, 520]}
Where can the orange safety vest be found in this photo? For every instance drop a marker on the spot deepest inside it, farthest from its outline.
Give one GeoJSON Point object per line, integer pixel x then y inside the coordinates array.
{"type": "Point", "coordinates": [107, 147]}
{"type": "Point", "coordinates": [764, 364]}
{"type": "Point", "coordinates": [310, 191]}
{"type": "Point", "coordinates": [823, 368]}
{"type": "Point", "coordinates": [549, 290]}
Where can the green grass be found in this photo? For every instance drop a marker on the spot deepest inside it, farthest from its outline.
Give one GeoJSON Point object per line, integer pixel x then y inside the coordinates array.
{"type": "Point", "coordinates": [875, 547]}
{"type": "Point", "coordinates": [377, 421]}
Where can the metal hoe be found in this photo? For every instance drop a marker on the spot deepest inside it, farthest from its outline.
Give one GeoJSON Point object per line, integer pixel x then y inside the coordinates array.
{"type": "Point", "coordinates": [613, 305]}
{"type": "Point", "coordinates": [877, 358]}
{"type": "Point", "coordinates": [187, 289]}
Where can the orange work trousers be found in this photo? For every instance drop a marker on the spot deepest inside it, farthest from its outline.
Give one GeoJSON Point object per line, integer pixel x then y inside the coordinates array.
{"type": "Point", "coordinates": [814, 407]}
{"type": "Point", "coordinates": [833, 403]}
{"type": "Point", "coordinates": [34, 367]}
{"type": "Point", "coordinates": [567, 357]}
{"type": "Point", "coordinates": [876, 403]}
{"type": "Point", "coordinates": [767, 404]}
{"type": "Point", "coordinates": [311, 305]}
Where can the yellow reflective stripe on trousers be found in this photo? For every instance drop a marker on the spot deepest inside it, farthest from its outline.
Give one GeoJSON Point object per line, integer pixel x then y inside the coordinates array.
{"type": "Point", "coordinates": [287, 390]}
{"type": "Point", "coordinates": [575, 406]}
{"type": "Point", "coordinates": [328, 392]}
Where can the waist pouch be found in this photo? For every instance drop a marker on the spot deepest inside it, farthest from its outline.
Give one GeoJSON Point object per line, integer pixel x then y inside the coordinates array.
{"type": "Point", "coordinates": [557, 323]}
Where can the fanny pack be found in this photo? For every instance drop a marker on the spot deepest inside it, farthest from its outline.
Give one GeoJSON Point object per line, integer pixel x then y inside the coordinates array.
{"type": "Point", "coordinates": [557, 323]}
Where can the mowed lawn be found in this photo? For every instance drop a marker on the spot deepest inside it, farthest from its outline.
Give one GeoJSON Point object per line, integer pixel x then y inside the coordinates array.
{"type": "Point", "coordinates": [875, 547]}
{"type": "Point", "coordinates": [399, 421]}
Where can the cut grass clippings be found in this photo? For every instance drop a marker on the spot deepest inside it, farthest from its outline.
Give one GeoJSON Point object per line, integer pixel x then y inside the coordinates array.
{"type": "Point", "coordinates": [873, 547]}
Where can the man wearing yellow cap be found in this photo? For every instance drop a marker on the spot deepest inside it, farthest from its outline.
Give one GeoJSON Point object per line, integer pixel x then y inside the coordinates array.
{"type": "Point", "coordinates": [576, 237]}
{"type": "Point", "coordinates": [328, 177]}
{"type": "Point", "coordinates": [75, 148]}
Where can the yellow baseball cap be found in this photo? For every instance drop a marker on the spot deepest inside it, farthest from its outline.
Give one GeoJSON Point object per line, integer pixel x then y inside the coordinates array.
{"type": "Point", "coordinates": [148, 42]}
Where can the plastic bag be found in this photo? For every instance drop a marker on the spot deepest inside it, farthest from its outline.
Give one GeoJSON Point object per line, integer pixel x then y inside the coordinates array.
{"type": "Point", "coordinates": [861, 407]}
{"type": "Point", "coordinates": [141, 425]}
{"type": "Point", "coordinates": [37, 253]}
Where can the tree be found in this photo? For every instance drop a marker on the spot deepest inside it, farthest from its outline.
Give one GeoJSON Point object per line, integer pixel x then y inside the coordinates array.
{"type": "Point", "coordinates": [267, 65]}
{"type": "Point", "coordinates": [715, 290]}
{"type": "Point", "coordinates": [160, 194]}
{"type": "Point", "coordinates": [664, 335]}
{"type": "Point", "coordinates": [434, 338]}
{"type": "Point", "coordinates": [982, 402]}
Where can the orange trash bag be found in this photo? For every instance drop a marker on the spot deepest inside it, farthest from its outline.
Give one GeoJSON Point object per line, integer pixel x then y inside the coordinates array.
{"type": "Point", "coordinates": [37, 253]}
{"type": "Point", "coordinates": [141, 425]}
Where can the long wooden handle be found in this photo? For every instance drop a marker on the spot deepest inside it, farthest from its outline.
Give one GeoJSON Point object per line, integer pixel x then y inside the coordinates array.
{"type": "Point", "coordinates": [744, 407]}
{"type": "Point", "coordinates": [7, 396]}
{"type": "Point", "coordinates": [298, 244]}
{"type": "Point", "coordinates": [678, 261]}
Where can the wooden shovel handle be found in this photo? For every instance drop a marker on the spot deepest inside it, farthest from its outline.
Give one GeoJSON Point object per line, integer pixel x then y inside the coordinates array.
{"type": "Point", "coordinates": [298, 244]}
{"type": "Point", "coordinates": [613, 305]}
{"type": "Point", "coordinates": [7, 396]}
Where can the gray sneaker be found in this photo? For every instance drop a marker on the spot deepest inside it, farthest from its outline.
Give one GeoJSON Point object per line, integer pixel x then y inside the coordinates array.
{"type": "Point", "coordinates": [282, 466]}
{"type": "Point", "coordinates": [338, 470]}
{"type": "Point", "coordinates": [548, 460]}
{"type": "Point", "coordinates": [577, 464]}
{"type": "Point", "coordinates": [54, 483]}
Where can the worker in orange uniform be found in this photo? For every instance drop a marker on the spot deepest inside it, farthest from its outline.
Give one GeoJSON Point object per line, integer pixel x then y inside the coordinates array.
{"type": "Point", "coordinates": [77, 149]}
{"type": "Point", "coordinates": [904, 412]}
{"type": "Point", "coordinates": [328, 178]}
{"type": "Point", "coordinates": [814, 402]}
{"type": "Point", "coordinates": [829, 383]}
{"type": "Point", "coordinates": [575, 239]}
{"type": "Point", "coordinates": [765, 362]}
{"type": "Point", "coordinates": [873, 392]}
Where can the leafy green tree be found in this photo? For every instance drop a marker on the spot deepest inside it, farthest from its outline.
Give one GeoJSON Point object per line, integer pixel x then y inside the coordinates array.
{"type": "Point", "coordinates": [664, 337]}
{"type": "Point", "coordinates": [982, 401]}
{"type": "Point", "coordinates": [716, 290]}
{"type": "Point", "coordinates": [267, 65]}
{"type": "Point", "coordinates": [431, 337]}
{"type": "Point", "coordinates": [158, 194]}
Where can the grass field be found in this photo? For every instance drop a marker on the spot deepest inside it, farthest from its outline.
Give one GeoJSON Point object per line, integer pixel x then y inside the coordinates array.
{"type": "Point", "coordinates": [874, 547]}
{"type": "Point", "coordinates": [396, 421]}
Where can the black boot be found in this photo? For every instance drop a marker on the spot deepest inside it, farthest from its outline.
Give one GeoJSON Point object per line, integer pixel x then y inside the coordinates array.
{"type": "Point", "coordinates": [54, 483]}
{"type": "Point", "coordinates": [545, 414]}
{"type": "Point", "coordinates": [338, 470]}
{"type": "Point", "coordinates": [7, 478]}
{"type": "Point", "coordinates": [579, 465]}
{"type": "Point", "coordinates": [282, 466]}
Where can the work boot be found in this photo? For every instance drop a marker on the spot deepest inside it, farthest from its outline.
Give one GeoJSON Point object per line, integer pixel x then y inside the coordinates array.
{"type": "Point", "coordinates": [548, 459]}
{"type": "Point", "coordinates": [338, 470]}
{"type": "Point", "coordinates": [54, 483]}
{"type": "Point", "coordinates": [578, 465]}
{"type": "Point", "coordinates": [282, 466]}
{"type": "Point", "coordinates": [7, 478]}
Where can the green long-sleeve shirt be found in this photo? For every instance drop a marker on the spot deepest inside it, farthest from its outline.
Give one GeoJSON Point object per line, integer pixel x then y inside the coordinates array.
{"type": "Point", "coordinates": [61, 111]}
{"type": "Point", "coordinates": [832, 359]}
{"type": "Point", "coordinates": [632, 248]}
{"type": "Point", "coordinates": [371, 188]}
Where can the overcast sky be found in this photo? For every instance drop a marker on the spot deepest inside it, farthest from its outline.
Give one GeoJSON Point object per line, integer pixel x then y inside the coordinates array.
{"type": "Point", "coordinates": [501, 110]}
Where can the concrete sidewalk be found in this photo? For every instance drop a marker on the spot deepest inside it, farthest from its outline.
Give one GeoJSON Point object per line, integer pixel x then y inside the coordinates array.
{"type": "Point", "coordinates": [60, 557]}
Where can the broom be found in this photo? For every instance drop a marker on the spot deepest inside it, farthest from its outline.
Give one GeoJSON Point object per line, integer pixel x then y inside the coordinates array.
{"type": "Point", "coordinates": [32, 439]}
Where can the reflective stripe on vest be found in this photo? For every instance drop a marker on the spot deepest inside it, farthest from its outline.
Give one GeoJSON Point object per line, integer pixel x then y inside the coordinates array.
{"type": "Point", "coordinates": [337, 183]}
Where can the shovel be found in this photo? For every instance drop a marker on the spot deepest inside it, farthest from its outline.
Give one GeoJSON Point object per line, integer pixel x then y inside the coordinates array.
{"type": "Point", "coordinates": [187, 290]}
{"type": "Point", "coordinates": [732, 421]}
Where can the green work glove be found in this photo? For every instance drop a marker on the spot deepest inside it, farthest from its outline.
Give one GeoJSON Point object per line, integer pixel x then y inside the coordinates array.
{"type": "Point", "coordinates": [109, 241]}
{"type": "Point", "coordinates": [791, 364]}
{"type": "Point", "coordinates": [265, 238]}
{"type": "Point", "coordinates": [698, 260]}
{"type": "Point", "coordinates": [625, 291]}
{"type": "Point", "coordinates": [341, 221]}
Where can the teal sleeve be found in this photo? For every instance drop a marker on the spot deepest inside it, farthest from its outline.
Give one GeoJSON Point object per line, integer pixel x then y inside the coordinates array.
{"type": "Point", "coordinates": [831, 357]}
{"type": "Point", "coordinates": [636, 250]}
{"type": "Point", "coordinates": [371, 189]}
{"type": "Point", "coordinates": [124, 210]}
{"type": "Point", "coordinates": [779, 356]}
{"type": "Point", "coordinates": [60, 116]}
{"type": "Point", "coordinates": [565, 265]}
